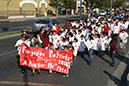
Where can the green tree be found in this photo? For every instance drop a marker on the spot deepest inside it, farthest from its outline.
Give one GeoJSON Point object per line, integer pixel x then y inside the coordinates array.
{"type": "Point", "coordinates": [97, 3]}
{"type": "Point", "coordinates": [56, 4]}
{"type": "Point", "coordinates": [118, 3]}
{"type": "Point", "coordinates": [69, 4]}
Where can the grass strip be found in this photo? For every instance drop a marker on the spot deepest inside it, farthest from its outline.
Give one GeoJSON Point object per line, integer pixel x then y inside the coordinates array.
{"type": "Point", "coordinates": [11, 33]}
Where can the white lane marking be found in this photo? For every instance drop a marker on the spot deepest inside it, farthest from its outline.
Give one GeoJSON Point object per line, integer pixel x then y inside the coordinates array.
{"type": "Point", "coordinates": [7, 53]}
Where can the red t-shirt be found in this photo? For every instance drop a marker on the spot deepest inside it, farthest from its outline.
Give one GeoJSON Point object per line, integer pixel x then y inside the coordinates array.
{"type": "Point", "coordinates": [45, 42]}
{"type": "Point", "coordinates": [106, 29]}
{"type": "Point", "coordinates": [41, 35]}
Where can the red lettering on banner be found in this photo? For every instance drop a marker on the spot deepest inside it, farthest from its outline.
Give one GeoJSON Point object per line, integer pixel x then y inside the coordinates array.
{"type": "Point", "coordinates": [39, 58]}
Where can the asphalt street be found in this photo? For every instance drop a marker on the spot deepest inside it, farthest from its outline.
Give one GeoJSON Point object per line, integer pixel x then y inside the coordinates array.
{"type": "Point", "coordinates": [20, 25]}
{"type": "Point", "coordinates": [81, 74]}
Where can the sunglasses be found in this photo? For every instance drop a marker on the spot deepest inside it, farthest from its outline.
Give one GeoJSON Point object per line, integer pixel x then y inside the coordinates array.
{"type": "Point", "coordinates": [23, 37]}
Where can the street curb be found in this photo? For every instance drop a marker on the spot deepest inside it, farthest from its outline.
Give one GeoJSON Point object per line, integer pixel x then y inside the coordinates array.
{"type": "Point", "coordinates": [118, 72]}
{"type": "Point", "coordinates": [4, 21]}
{"type": "Point", "coordinates": [33, 18]}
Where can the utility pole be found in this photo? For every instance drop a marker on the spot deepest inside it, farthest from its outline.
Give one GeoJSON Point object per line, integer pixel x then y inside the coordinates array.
{"type": "Point", "coordinates": [80, 9]}
{"type": "Point", "coordinates": [8, 1]}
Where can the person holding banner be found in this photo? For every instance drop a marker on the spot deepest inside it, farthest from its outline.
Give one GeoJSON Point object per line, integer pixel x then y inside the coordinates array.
{"type": "Point", "coordinates": [66, 49]}
{"type": "Point", "coordinates": [34, 40]}
{"type": "Point", "coordinates": [33, 70]}
{"type": "Point", "coordinates": [18, 46]}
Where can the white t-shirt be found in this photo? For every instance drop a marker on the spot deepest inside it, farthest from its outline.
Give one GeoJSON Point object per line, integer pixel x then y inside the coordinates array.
{"type": "Point", "coordinates": [55, 40]}
{"type": "Point", "coordinates": [50, 38]}
{"type": "Point", "coordinates": [102, 44]}
{"type": "Point", "coordinates": [123, 37]}
{"type": "Point", "coordinates": [99, 29]}
{"type": "Point", "coordinates": [71, 39]}
{"type": "Point", "coordinates": [27, 43]}
{"type": "Point", "coordinates": [87, 43]}
{"type": "Point", "coordinates": [96, 43]}
{"type": "Point", "coordinates": [77, 25]}
{"type": "Point", "coordinates": [116, 30]}
{"type": "Point", "coordinates": [73, 24]}
{"type": "Point", "coordinates": [19, 42]}
{"type": "Point", "coordinates": [126, 24]}
{"type": "Point", "coordinates": [78, 36]}
{"type": "Point", "coordinates": [63, 43]}
{"type": "Point", "coordinates": [112, 26]}
{"type": "Point", "coordinates": [75, 45]}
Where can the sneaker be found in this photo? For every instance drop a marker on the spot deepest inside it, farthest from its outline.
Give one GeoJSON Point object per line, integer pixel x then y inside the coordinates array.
{"type": "Point", "coordinates": [22, 73]}
{"type": "Point", "coordinates": [71, 63]}
{"type": "Point", "coordinates": [64, 76]}
{"type": "Point", "coordinates": [32, 75]}
{"type": "Point", "coordinates": [112, 65]}
{"type": "Point", "coordinates": [89, 63]}
{"type": "Point", "coordinates": [38, 73]}
{"type": "Point", "coordinates": [50, 72]}
{"type": "Point", "coordinates": [67, 76]}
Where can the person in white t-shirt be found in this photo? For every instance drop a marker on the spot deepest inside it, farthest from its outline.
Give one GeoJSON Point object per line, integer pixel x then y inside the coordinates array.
{"type": "Point", "coordinates": [71, 37]}
{"type": "Point", "coordinates": [18, 46]}
{"type": "Point", "coordinates": [19, 42]}
{"type": "Point", "coordinates": [97, 40]}
{"type": "Point", "coordinates": [77, 24]}
{"type": "Point", "coordinates": [76, 47]}
{"type": "Point", "coordinates": [124, 38]}
{"type": "Point", "coordinates": [126, 24]}
{"type": "Point", "coordinates": [63, 43]}
{"type": "Point", "coordinates": [116, 29]}
{"type": "Point", "coordinates": [79, 34]}
{"type": "Point", "coordinates": [63, 34]}
{"type": "Point", "coordinates": [55, 40]}
{"type": "Point", "coordinates": [27, 41]}
{"type": "Point", "coordinates": [90, 45]}
{"type": "Point", "coordinates": [99, 28]}
{"type": "Point", "coordinates": [73, 23]}
{"type": "Point", "coordinates": [103, 44]}
{"type": "Point", "coordinates": [50, 36]}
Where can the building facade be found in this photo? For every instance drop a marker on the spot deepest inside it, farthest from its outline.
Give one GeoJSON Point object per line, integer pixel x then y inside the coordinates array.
{"type": "Point", "coordinates": [27, 7]}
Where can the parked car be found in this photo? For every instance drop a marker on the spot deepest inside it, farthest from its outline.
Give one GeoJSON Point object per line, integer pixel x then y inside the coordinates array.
{"type": "Point", "coordinates": [47, 23]}
{"type": "Point", "coordinates": [102, 13]}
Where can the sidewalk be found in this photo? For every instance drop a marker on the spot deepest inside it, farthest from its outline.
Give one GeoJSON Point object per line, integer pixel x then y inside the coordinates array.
{"type": "Point", "coordinates": [115, 79]}
{"type": "Point", "coordinates": [20, 18]}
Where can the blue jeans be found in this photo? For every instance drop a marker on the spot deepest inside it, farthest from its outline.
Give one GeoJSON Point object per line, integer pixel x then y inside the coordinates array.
{"type": "Point", "coordinates": [102, 52]}
{"type": "Point", "coordinates": [91, 51]}
{"type": "Point", "coordinates": [125, 47]}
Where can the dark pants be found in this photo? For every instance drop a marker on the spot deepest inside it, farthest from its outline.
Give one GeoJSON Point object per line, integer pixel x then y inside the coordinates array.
{"type": "Point", "coordinates": [81, 53]}
{"type": "Point", "coordinates": [21, 67]}
{"type": "Point", "coordinates": [112, 56]}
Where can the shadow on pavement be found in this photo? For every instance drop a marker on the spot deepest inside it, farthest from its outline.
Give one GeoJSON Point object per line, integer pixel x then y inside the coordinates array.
{"type": "Point", "coordinates": [121, 57]}
{"type": "Point", "coordinates": [113, 78]}
{"type": "Point", "coordinates": [123, 81]}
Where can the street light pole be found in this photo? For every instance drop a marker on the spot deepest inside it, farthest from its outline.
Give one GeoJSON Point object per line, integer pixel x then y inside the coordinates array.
{"type": "Point", "coordinates": [7, 14]}
{"type": "Point", "coordinates": [80, 9]}
{"type": "Point", "coordinates": [111, 7]}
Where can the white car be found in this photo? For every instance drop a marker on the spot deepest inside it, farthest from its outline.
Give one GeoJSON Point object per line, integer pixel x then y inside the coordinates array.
{"type": "Point", "coordinates": [102, 13]}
